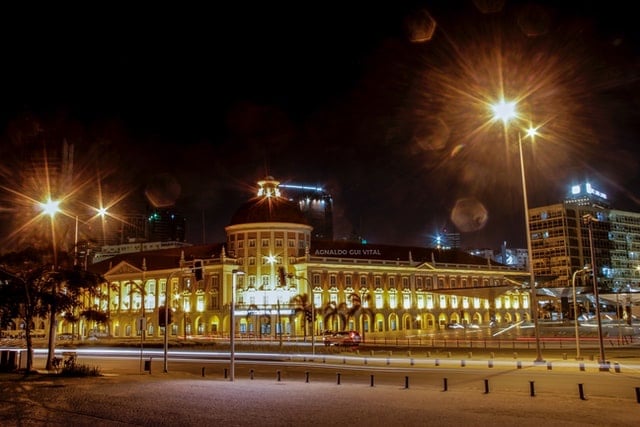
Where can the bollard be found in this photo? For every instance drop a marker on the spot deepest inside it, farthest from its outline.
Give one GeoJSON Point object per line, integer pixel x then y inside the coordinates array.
{"type": "Point", "coordinates": [470, 354]}
{"type": "Point", "coordinates": [306, 377]}
{"type": "Point", "coordinates": [445, 385]}
{"type": "Point", "coordinates": [519, 364]}
{"type": "Point", "coordinates": [406, 382]}
{"type": "Point", "coordinates": [251, 374]}
{"type": "Point", "coordinates": [388, 361]}
{"type": "Point", "coordinates": [372, 353]}
{"type": "Point", "coordinates": [564, 356]}
{"type": "Point", "coordinates": [532, 390]}
{"type": "Point", "coordinates": [371, 380]}
{"type": "Point", "coordinates": [411, 362]}
{"type": "Point", "coordinates": [486, 386]}
{"type": "Point", "coordinates": [324, 359]}
{"type": "Point", "coordinates": [203, 371]}
{"type": "Point", "coordinates": [491, 363]}
{"type": "Point", "coordinates": [338, 378]}
{"type": "Point", "coordinates": [515, 355]}
{"type": "Point", "coordinates": [616, 367]}
{"type": "Point", "coordinates": [365, 360]}
{"type": "Point", "coordinates": [638, 394]}
{"type": "Point", "coordinates": [409, 353]}
{"type": "Point", "coordinates": [581, 391]}
{"type": "Point", "coordinates": [448, 354]}
{"type": "Point", "coordinates": [437, 362]}
{"type": "Point", "coordinates": [278, 375]}
{"type": "Point", "coordinates": [428, 354]}
{"type": "Point", "coordinates": [344, 360]}
{"type": "Point", "coordinates": [463, 363]}
{"type": "Point", "coordinates": [549, 366]}
{"type": "Point", "coordinates": [492, 355]}
{"type": "Point", "coordinates": [225, 373]}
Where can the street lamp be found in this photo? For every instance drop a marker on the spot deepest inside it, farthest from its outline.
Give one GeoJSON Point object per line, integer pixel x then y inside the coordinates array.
{"type": "Point", "coordinates": [167, 307]}
{"type": "Point", "coordinates": [313, 312]}
{"type": "Point", "coordinates": [234, 274]}
{"type": "Point", "coordinates": [588, 220]}
{"type": "Point", "coordinates": [575, 309]}
{"type": "Point", "coordinates": [506, 111]}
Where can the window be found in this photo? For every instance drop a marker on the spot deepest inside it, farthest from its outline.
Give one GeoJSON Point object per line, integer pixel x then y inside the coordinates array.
{"type": "Point", "coordinates": [332, 280]}
{"type": "Point", "coordinates": [215, 283]}
{"type": "Point", "coordinates": [200, 303]}
{"type": "Point", "coordinates": [316, 280]}
{"type": "Point", "coordinates": [292, 243]}
{"type": "Point", "coordinates": [265, 282]}
{"type": "Point", "coordinates": [363, 281]}
{"type": "Point", "coordinates": [240, 244]}
{"type": "Point", "coordinates": [279, 243]}
{"type": "Point", "coordinates": [379, 301]}
{"type": "Point", "coordinates": [393, 300]}
{"type": "Point", "coordinates": [405, 283]}
{"type": "Point", "coordinates": [406, 300]}
{"type": "Point", "coordinates": [420, 301]}
{"type": "Point", "coordinates": [252, 243]}
{"type": "Point", "coordinates": [265, 243]}
{"type": "Point", "coordinates": [252, 260]}
{"type": "Point", "coordinates": [186, 304]}
{"type": "Point", "coordinates": [347, 280]}
{"type": "Point", "coordinates": [443, 301]}
{"type": "Point", "coordinates": [429, 302]}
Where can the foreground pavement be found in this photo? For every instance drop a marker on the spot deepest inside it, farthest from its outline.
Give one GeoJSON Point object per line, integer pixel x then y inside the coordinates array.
{"type": "Point", "coordinates": [124, 397]}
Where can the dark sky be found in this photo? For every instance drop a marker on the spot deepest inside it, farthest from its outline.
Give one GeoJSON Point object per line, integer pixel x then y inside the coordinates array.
{"type": "Point", "coordinates": [215, 97]}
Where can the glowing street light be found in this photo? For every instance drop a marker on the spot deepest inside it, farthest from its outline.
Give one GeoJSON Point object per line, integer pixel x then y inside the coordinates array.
{"type": "Point", "coordinates": [232, 328]}
{"type": "Point", "coordinates": [588, 220]}
{"type": "Point", "coordinates": [506, 111]}
{"type": "Point", "coordinates": [575, 309]}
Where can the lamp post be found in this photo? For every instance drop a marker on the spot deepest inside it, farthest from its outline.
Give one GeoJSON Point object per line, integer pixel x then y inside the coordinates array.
{"type": "Point", "coordinates": [167, 307]}
{"type": "Point", "coordinates": [588, 220]}
{"type": "Point", "coordinates": [232, 328]}
{"type": "Point", "coordinates": [313, 312]}
{"type": "Point", "coordinates": [575, 310]}
{"type": "Point", "coordinates": [506, 111]}
{"type": "Point", "coordinates": [51, 207]}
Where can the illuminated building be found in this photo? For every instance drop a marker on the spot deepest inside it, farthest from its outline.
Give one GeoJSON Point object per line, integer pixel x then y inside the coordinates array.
{"type": "Point", "coordinates": [316, 205]}
{"type": "Point", "coordinates": [403, 290]}
{"type": "Point", "coordinates": [560, 245]}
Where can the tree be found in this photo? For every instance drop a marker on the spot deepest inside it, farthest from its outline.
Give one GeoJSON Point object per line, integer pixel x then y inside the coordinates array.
{"type": "Point", "coordinates": [334, 312]}
{"type": "Point", "coordinates": [358, 307]}
{"type": "Point", "coordinates": [40, 290]}
{"type": "Point", "coordinates": [303, 306]}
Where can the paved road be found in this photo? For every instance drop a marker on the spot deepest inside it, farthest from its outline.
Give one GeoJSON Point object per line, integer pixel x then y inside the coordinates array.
{"type": "Point", "coordinates": [184, 397]}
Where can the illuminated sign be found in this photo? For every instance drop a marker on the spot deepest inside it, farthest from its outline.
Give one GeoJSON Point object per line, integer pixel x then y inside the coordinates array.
{"type": "Point", "coordinates": [347, 252]}
{"type": "Point", "coordinates": [588, 189]}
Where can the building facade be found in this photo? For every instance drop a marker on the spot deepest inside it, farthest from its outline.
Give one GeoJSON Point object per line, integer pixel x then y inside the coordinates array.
{"type": "Point", "coordinates": [269, 257]}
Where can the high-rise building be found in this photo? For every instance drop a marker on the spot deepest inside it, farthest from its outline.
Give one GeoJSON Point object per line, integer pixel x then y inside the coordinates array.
{"type": "Point", "coordinates": [561, 245]}
{"type": "Point", "coordinates": [316, 205]}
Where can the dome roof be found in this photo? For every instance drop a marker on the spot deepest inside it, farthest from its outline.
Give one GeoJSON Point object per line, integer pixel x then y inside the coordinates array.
{"type": "Point", "coordinates": [268, 206]}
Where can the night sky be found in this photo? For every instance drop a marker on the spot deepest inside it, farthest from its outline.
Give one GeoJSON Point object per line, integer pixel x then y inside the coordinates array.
{"type": "Point", "coordinates": [194, 102]}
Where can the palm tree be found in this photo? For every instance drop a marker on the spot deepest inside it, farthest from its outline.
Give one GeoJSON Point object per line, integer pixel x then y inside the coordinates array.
{"type": "Point", "coordinates": [334, 312]}
{"type": "Point", "coordinates": [303, 305]}
{"type": "Point", "coordinates": [252, 310]}
{"type": "Point", "coordinates": [359, 308]}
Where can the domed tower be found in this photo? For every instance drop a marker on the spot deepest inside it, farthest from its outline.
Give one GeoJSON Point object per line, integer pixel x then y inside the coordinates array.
{"type": "Point", "coordinates": [263, 234]}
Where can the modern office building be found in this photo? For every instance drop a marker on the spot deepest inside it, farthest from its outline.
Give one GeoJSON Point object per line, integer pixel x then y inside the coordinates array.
{"type": "Point", "coordinates": [270, 257]}
{"type": "Point", "coordinates": [562, 238]}
{"type": "Point", "coordinates": [315, 204]}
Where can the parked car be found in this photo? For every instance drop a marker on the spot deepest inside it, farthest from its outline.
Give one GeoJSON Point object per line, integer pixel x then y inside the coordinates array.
{"type": "Point", "coordinates": [346, 338]}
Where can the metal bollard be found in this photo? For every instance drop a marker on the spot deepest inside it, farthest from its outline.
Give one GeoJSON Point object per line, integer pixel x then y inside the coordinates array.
{"type": "Point", "coordinates": [486, 386]}
{"type": "Point", "coordinates": [463, 363]}
{"type": "Point", "coordinates": [338, 378]}
{"type": "Point", "coordinates": [437, 362]}
{"type": "Point", "coordinates": [306, 377]}
{"type": "Point", "coordinates": [616, 367]}
{"type": "Point", "coordinates": [411, 362]}
{"type": "Point", "coordinates": [519, 364]}
{"type": "Point", "coordinates": [581, 366]}
{"type": "Point", "coordinates": [278, 375]}
{"type": "Point", "coordinates": [490, 363]}
{"type": "Point", "coordinates": [203, 371]}
{"type": "Point", "coordinates": [532, 389]}
{"type": "Point", "coordinates": [581, 391]}
{"type": "Point", "coordinates": [251, 374]}
{"type": "Point", "coordinates": [371, 380]}
{"type": "Point", "coordinates": [365, 360]}
{"type": "Point", "coordinates": [445, 385]}
{"type": "Point", "coordinates": [406, 382]}
{"type": "Point", "coordinates": [549, 367]}
{"type": "Point", "coordinates": [638, 394]}
{"type": "Point", "coordinates": [225, 373]}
